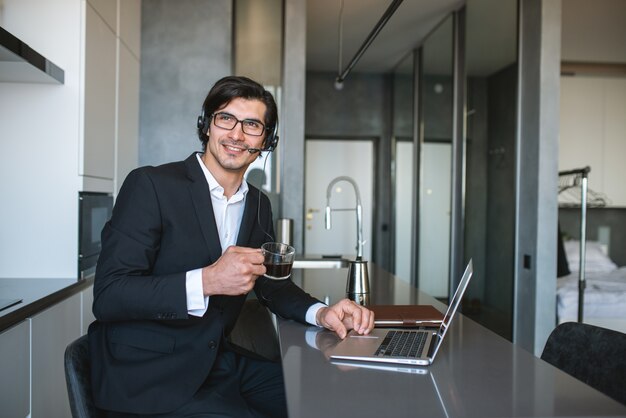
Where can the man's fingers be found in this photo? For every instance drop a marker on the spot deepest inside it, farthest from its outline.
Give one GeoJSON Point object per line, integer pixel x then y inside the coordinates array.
{"type": "Point", "coordinates": [361, 318]}
{"type": "Point", "coordinates": [244, 255]}
{"type": "Point", "coordinates": [334, 323]}
{"type": "Point", "coordinates": [347, 314]}
{"type": "Point", "coordinates": [355, 311]}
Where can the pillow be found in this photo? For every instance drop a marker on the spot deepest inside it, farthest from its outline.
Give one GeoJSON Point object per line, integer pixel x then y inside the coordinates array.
{"type": "Point", "coordinates": [562, 268]}
{"type": "Point", "coordinates": [596, 259]}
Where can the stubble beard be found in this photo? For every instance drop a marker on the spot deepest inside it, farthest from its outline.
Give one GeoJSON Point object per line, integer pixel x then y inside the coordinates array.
{"type": "Point", "coordinates": [226, 161]}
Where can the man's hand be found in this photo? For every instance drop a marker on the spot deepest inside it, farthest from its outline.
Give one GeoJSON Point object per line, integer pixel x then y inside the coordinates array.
{"type": "Point", "coordinates": [346, 315]}
{"type": "Point", "coordinates": [234, 273]}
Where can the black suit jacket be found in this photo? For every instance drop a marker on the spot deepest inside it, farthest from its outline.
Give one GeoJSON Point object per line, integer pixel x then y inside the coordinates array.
{"type": "Point", "coordinates": [147, 355]}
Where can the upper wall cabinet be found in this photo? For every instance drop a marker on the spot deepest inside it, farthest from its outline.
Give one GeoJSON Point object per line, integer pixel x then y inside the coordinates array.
{"type": "Point", "coordinates": [107, 10]}
{"type": "Point", "coordinates": [593, 132]}
{"type": "Point", "coordinates": [111, 101]}
{"type": "Point", "coordinates": [100, 86]}
{"type": "Point", "coordinates": [130, 25]}
{"type": "Point", "coordinates": [20, 63]}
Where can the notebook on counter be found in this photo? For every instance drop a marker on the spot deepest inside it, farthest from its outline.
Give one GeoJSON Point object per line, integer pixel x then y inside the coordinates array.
{"type": "Point", "coordinates": [396, 316]}
{"type": "Point", "coordinates": [402, 345]}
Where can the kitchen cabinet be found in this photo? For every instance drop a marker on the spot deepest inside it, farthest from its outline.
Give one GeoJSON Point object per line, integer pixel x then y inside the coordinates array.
{"type": "Point", "coordinates": [593, 132]}
{"type": "Point", "coordinates": [52, 330]}
{"type": "Point", "coordinates": [100, 90]}
{"type": "Point", "coordinates": [15, 366]}
{"type": "Point", "coordinates": [106, 9]}
{"type": "Point", "coordinates": [128, 115]}
{"type": "Point", "coordinates": [33, 337]}
{"type": "Point", "coordinates": [111, 79]}
{"type": "Point", "coordinates": [84, 131]}
{"type": "Point", "coordinates": [130, 27]}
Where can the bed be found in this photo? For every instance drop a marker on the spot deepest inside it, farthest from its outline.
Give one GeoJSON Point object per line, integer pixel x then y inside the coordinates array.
{"type": "Point", "coordinates": [605, 290]}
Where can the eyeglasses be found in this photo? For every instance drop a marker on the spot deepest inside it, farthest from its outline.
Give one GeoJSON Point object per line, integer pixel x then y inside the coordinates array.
{"type": "Point", "coordinates": [249, 126]}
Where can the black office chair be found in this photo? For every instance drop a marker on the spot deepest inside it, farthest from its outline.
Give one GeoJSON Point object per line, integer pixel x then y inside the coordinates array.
{"type": "Point", "coordinates": [594, 355]}
{"type": "Point", "coordinates": [254, 333]}
{"type": "Point", "coordinates": [77, 377]}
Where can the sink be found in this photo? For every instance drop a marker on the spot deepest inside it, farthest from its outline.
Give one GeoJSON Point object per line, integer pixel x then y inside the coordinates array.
{"type": "Point", "coordinates": [320, 263]}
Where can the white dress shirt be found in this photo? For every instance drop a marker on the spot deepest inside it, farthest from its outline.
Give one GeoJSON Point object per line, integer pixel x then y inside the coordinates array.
{"type": "Point", "coordinates": [228, 214]}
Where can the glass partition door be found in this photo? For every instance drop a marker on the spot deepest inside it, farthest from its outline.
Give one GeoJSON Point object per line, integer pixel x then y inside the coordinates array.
{"type": "Point", "coordinates": [436, 101]}
{"type": "Point", "coordinates": [403, 168]}
{"type": "Point", "coordinates": [490, 169]}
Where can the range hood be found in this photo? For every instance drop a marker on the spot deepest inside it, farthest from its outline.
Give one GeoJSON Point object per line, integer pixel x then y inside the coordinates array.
{"type": "Point", "coordinates": [20, 63]}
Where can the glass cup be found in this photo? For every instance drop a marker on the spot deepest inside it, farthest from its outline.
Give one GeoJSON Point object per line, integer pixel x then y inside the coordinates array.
{"type": "Point", "coordinates": [278, 260]}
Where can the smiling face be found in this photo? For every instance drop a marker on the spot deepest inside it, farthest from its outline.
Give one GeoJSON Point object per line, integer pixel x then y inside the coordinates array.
{"type": "Point", "coordinates": [227, 150]}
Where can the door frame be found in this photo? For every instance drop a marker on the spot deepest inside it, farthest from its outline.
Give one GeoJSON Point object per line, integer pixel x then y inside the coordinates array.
{"type": "Point", "coordinates": [375, 180]}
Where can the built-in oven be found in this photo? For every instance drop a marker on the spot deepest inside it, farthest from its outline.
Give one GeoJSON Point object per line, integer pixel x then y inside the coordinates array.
{"type": "Point", "coordinates": [94, 211]}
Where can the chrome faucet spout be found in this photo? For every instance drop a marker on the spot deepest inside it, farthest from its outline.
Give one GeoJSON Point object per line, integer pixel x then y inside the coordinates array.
{"type": "Point", "coordinates": [358, 209]}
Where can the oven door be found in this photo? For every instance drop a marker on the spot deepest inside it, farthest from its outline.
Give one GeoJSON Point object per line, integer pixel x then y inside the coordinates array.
{"type": "Point", "coordinates": [94, 211]}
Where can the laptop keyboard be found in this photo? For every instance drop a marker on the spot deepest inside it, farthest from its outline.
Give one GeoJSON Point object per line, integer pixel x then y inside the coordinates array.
{"type": "Point", "coordinates": [402, 344]}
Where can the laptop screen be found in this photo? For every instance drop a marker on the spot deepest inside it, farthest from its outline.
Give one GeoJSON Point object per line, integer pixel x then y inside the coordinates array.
{"type": "Point", "coordinates": [454, 304]}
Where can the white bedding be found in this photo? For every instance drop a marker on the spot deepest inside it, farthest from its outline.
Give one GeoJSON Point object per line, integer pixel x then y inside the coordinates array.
{"type": "Point", "coordinates": [605, 293]}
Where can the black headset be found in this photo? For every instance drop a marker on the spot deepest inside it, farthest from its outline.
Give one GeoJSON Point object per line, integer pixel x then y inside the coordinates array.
{"type": "Point", "coordinates": [269, 144]}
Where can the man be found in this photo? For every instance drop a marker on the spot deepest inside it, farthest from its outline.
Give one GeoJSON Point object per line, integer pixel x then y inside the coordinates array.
{"type": "Point", "coordinates": [179, 255]}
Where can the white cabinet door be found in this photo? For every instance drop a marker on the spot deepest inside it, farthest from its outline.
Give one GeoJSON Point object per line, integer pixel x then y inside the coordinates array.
{"type": "Point", "coordinates": [52, 330]}
{"type": "Point", "coordinates": [130, 25]}
{"type": "Point", "coordinates": [99, 117]}
{"type": "Point", "coordinates": [15, 366]}
{"type": "Point", "coordinates": [127, 116]}
{"type": "Point", "coordinates": [107, 9]}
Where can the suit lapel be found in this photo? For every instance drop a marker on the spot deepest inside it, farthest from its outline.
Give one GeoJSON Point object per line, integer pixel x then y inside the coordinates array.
{"type": "Point", "coordinates": [201, 198]}
{"type": "Point", "coordinates": [249, 217]}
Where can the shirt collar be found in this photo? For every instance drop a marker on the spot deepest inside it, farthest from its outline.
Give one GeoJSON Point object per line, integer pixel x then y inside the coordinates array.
{"type": "Point", "coordinates": [214, 186]}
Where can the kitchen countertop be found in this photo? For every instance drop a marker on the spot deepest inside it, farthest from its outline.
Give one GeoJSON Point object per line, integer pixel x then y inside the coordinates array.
{"type": "Point", "coordinates": [36, 295]}
{"type": "Point", "coordinates": [41, 293]}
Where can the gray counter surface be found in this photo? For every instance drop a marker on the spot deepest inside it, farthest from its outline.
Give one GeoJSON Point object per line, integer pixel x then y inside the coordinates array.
{"type": "Point", "coordinates": [36, 295]}
{"type": "Point", "coordinates": [476, 374]}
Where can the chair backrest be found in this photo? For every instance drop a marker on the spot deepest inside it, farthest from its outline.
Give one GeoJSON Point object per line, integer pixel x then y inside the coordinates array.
{"type": "Point", "coordinates": [78, 379]}
{"type": "Point", "coordinates": [594, 355]}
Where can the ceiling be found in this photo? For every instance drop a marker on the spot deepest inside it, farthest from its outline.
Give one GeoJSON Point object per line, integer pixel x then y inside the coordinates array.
{"type": "Point", "coordinates": [405, 30]}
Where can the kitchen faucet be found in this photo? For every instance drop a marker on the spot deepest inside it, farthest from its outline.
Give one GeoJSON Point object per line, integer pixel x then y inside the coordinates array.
{"type": "Point", "coordinates": [358, 208]}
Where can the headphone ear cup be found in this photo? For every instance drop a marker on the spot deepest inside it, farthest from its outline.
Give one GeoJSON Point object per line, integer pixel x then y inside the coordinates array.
{"type": "Point", "coordinates": [202, 123]}
{"type": "Point", "coordinates": [272, 145]}
{"type": "Point", "coordinates": [272, 141]}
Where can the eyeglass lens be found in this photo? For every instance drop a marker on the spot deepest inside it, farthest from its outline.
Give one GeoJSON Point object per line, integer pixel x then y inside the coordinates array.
{"type": "Point", "coordinates": [249, 126]}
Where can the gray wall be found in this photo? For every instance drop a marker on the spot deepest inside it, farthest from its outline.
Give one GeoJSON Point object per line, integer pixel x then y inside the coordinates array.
{"type": "Point", "coordinates": [501, 202]}
{"type": "Point", "coordinates": [258, 40]}
{"type": "Point", "coordinates": [357, 110]}
{"type": "Point", "coordinates": [186, 46]}
{"type": "Point", "coordinates": [537, 168]}
{"type": "Point", "coordinates": [476, 183]}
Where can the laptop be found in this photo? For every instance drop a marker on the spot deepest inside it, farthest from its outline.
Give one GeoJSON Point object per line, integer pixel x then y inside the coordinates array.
{"type": "Point", "coordinates": [401, 345]}
{"type": "Point", "coordinates": [397, 368]}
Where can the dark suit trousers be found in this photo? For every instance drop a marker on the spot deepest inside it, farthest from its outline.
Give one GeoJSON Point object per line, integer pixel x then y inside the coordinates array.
{"type": "Point", "coordinates": [237, 387]}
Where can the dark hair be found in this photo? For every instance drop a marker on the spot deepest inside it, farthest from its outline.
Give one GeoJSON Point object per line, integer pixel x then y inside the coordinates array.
{"type": "Point", "coordinates": [232, 87]}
